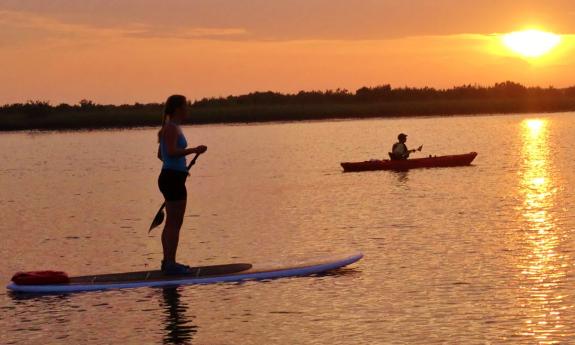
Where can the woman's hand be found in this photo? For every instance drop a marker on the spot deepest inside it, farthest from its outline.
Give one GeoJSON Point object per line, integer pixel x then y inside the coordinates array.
{"type": "Point", "coordinates": [198, 150]}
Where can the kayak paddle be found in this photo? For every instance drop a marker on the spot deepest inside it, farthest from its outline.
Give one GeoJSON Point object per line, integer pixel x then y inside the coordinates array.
{"type": "Point", "coordinates": [159, 218]}
{"type": "Point", "coordinates": [417, 149]}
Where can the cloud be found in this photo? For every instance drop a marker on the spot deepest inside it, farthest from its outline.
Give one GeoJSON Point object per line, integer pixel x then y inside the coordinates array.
{"type": "Point", "coordinates": [188, 33]}
{"type": "Point", "coordinates": [18, 28]}
{"type": "Point", "coordinates": [285, 20]}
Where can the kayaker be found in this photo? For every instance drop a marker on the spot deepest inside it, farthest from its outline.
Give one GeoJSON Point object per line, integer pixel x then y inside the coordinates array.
{"type": "Point", "coordinates": [172, 151]}
{"type": "Point", "coordinates": [399, 150]}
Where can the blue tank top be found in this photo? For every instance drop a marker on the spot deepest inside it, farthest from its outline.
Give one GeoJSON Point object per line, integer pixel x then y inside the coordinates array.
{"type": "Point", "coordinates": [174, 163]}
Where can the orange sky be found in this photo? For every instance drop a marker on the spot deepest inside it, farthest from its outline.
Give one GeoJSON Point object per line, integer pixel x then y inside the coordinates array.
{"type": "Point", "coordinates": [143, 50]}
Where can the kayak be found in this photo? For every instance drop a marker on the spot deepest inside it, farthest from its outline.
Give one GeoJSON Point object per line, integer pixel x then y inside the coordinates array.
{"type": "Point", "coordinates": [200, 275]}
{"type": "Point", "coordinates": [427, 162]}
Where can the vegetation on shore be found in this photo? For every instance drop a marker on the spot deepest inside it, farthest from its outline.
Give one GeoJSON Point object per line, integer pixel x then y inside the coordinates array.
{"type": "Point", "coordinates": [380, 101]}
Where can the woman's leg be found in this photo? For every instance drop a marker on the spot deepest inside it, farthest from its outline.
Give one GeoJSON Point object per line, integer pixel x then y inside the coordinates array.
{"type": "Point", "coordinates": [171, 235]}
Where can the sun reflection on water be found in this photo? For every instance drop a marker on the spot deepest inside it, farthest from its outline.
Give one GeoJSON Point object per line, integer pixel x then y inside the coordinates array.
{"type": "Point", "coordinates": [543, 267]}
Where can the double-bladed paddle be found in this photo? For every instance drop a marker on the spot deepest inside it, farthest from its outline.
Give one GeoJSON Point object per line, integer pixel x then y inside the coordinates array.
{"type": "Point", "coordinates": [159, 218]}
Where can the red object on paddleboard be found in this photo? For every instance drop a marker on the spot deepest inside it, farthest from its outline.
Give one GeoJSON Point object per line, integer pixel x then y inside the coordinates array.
{"type": "Point", "coordinates": [40, 278]}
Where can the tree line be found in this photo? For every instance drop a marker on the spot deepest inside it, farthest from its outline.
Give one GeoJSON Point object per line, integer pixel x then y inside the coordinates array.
{"type": "Point", "coordinates": [386, 93]}
{"type": "Point", "coordinates": [382, 93]}
{"type": "Point", "coordinates": [376, 102]}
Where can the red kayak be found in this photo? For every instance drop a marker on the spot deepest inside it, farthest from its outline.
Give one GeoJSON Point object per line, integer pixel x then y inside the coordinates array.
{"type": "Point", "coordinates": [428, 162]}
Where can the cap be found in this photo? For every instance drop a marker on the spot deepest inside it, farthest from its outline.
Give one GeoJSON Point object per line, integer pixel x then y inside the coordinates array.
{"type": "Point", "coordinates": [402, 135]}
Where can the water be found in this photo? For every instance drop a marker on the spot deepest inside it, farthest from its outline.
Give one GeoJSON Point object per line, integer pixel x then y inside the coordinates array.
{"type": "Point", "coordinates": [472, 255]}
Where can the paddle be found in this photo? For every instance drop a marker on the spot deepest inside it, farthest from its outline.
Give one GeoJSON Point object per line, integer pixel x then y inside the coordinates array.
{"type": "Point", "coordinates": [417, 149]}
{"type": "Point", "coordinates": [159, 218]}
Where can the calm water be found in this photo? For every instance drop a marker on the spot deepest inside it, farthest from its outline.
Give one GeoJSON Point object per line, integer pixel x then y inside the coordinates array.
{"type": "Point", "coordinates": [472, 255]}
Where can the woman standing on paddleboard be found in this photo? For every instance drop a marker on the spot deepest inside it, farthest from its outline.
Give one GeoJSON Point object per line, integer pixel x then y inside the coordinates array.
{"type": "Point", "coordinates": [172, 151]}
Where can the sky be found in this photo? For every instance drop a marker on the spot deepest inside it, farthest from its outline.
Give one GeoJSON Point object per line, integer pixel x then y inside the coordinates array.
{"type": "Point", "coordinates": [128, 51]}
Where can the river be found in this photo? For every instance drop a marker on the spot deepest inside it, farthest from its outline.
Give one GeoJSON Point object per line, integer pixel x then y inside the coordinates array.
{"type": "Point", "coordinates": [470, 255]}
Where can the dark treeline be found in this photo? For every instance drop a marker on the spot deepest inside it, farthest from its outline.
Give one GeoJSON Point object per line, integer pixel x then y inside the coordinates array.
{"type": "Point", "coordinates": [39, 109]}
{"type": "Point", "coordinates": [386, 93]}
{"type": "Point", "coordinates": [379, 101]}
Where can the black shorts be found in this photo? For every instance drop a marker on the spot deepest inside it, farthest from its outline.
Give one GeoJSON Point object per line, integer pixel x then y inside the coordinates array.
{"type": "Point", "coordinates": [172, 184]}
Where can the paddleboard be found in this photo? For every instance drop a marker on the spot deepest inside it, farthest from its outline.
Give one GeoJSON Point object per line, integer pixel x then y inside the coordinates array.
{"type": "Point", "coordinates": [201, 275]}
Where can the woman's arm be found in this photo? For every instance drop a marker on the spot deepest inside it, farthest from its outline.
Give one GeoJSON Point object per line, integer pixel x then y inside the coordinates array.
{"type": "Point", "coordinates": [171, 140]}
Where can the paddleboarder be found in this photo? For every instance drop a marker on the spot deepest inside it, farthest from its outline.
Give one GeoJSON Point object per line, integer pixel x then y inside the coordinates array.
{"type": "Point", "coordinates": [172, 151]}
{"type": "Point", "coordinates": [399, 150]}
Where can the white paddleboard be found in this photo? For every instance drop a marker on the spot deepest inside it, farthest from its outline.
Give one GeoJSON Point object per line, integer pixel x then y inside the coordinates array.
{"type": "Point", "coordinates": [201, 275]}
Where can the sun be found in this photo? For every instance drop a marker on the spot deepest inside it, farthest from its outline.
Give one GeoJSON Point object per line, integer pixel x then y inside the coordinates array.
{"type": "Point", "coordinates": [531, 43]}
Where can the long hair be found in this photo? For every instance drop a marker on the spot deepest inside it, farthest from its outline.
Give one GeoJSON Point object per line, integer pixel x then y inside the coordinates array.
{"type": "Point", "coordinates": [172, 104]}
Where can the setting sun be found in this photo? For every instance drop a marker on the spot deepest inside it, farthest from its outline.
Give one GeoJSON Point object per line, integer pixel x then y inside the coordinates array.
{"type": "Point", "coordinates": [531, 43]}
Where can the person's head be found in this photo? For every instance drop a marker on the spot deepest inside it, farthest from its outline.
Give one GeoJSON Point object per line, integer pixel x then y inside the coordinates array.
{"type": "Point", "coordinates": [402, 138]}
{"type": "Point", "coordinates": [176, 108]}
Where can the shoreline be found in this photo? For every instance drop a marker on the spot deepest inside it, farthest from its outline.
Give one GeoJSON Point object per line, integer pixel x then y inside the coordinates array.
{"type": "Point", "coordinates": [263, 107]}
